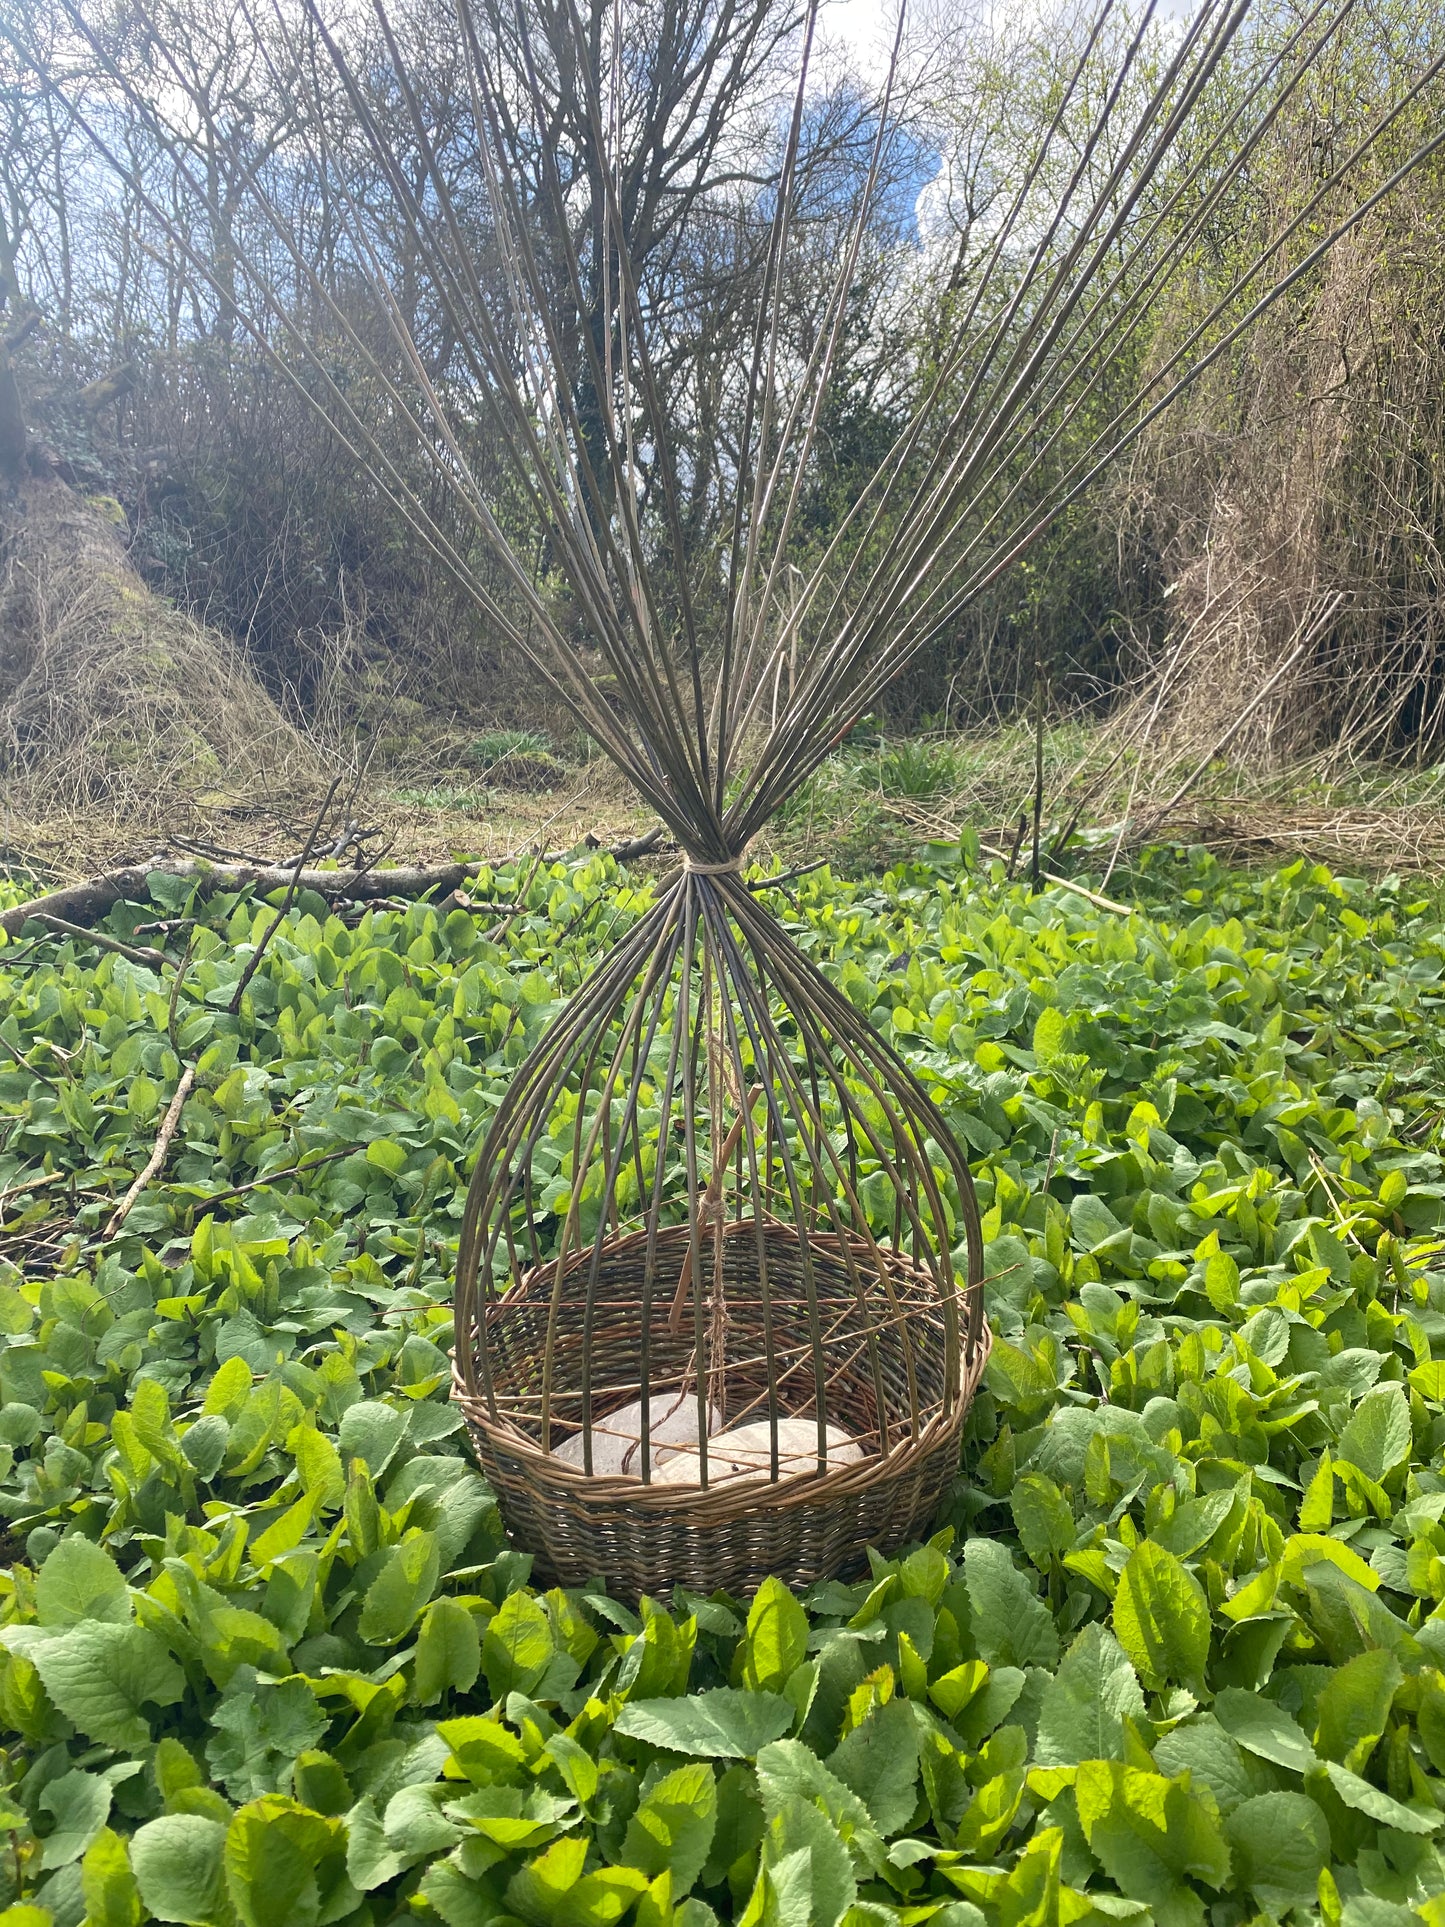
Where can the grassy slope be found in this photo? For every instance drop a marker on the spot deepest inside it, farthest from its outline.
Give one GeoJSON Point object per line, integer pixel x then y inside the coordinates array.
{"type": "Point", "coordinates": [1178, 1655]}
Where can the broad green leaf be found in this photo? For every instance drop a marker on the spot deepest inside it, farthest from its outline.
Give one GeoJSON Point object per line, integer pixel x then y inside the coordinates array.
{"type": "Point", "coordinates": [740, 1822]}
{"type": "Point", "coordinates": [1369, 1800]}
{"type": "Point", "coordinates": [516, 1646]}
{"type": "Point", "coordinates": [813, 1873]}
{"type": "Point", "coordinates": [718, 1724]}
{"type": "Point", "coordinates": [448, 1652]}
{"type": "Point", "coordinates": [1317, 1509]}
{"type": "Point", "coordinates": [1263, 1728]}
{"type": "Point", "coordinates": [1011, 1625]}
{"type": "Point", "coordinates": [1194, 1523]}
{"type": "Point", "coordinates": [673, 1826]}
{"type": "Point", "coordinates": [488, 1753]}
{"type": "Point", "coordinates": [1162, 1618]}
{"type": "Point", "coordinates": [275, 1860]}
{"type": "Point", "coordinates": [924, 1574]}
{"type": "Point", "coordinates": [320, 1783]}
{"type": "Point", "coordinates": [387, 1155]}
{"type": "Point", "coordinates": [371, 1859]}
{"type": "Point", "coordinates": [284, 1533]}
{"type": "Point", "coordinates": [659, 1659]}
{"type": "Point", "coordinates": [229, 1387]}
{"type": "Point", "coordinates": [1152, 1835]}
{"type": "Point", "coordinates": [953, 1690]}
{"type": "Point", "coordinates": [1279, 1843]}
{"type": "Point", "coordinates": [1377, 1438]}
{"type": "Point", "coordinates": [1213, 1759]}
{"type": "Point", "coordinates": [78, 1582]}
{"type": "Point", "coordinates": [1050, 1030]}
{"type": "Point", "coordinates": [102, 1675]}
{"type": "Point", "coordinates": [1347, 1617]}
{"type": "Point", "coordinates": [879, 1762]}
{"type": "Point", "coordinates": [776, 1640]}
{"type": "Point", "coordinates": [1430, 1717]}
{"type": "Point", "coordinates": [177, 1862]}
{"type": "Point", "coordinates": [371, 1431]}
{"type": "Point", "coordinates": [318, 1465]}
{"type": "Point", "coordinates": [1354, 1706]}
{"type": "Point", "coordinates": [204, 1444]}
{"type": "Point", "coordinates": [554, 1891]}
{"type": "Point", "coordinates": [1306, 1549]}
{"type": "Point", "coordinates": [108, 1885]}
{"type": "Point", "coordinates": [990, 1814]}
{"type": "Point", "coordinates": [788, 1770]}
{"type": "Point", "coordinates": [1085, 1703]}
{"type": "Point", "coordinates": [460, 1902]}
{"type": "Point", "coordinates": [1094, 1224]}
{"type": "Point", "coordinates": [401, 1589]}
{"type": "Point", "coordinates": [80, 1804]}
{"type": "Point", "coordinates": [260, 1728]}
{"type": "Point", "coordinates": [1043, 1518]}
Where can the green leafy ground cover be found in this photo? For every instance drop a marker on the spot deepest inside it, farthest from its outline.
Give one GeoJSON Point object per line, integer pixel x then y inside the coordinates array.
{"type": "Point", "coordinates": [266, 1657]}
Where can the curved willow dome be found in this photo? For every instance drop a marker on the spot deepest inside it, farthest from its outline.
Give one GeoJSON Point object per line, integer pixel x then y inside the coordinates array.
{"type": "Point", "coordinates": [714, 1200]}
{"type": "Point", "coordinates": [710, 1321]}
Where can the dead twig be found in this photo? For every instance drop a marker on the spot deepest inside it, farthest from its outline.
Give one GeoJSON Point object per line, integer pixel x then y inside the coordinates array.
{"type": "Point", "coordinates": [1068, 883]}
{"type": "Point", "coordinates": [134, 953]}
{"type": "Point", "coordinates": [1011, 856]}
{"type": "Point", "coordinates": [280, 917]}
{"type": "Point", "coordinates": [275, 1177]}
{"type": "Point", "coordinates": [181, 968]}
{"type": "Point", "coordinates": [157, 1157]}
{"type": "Point", "coordinates": [31, 1184]}
{"type": "Point", "coordinates": [1036, 859]}
{"type": "Point", "coordinates": [788, 876]}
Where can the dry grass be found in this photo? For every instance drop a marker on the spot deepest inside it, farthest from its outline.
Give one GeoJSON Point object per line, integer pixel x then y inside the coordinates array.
{"type": "Point", "coordinates": [126, 725]}
{"type": "Point", "coordinates": [1304, 472]}
{"type": "Point", "coordinates": [1114, 787]}
{"type": "Point", "coordinates": [121, 718]}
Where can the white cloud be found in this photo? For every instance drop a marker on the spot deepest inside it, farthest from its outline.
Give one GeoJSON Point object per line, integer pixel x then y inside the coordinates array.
{"type": "Point", "coordinates": [864, 28]}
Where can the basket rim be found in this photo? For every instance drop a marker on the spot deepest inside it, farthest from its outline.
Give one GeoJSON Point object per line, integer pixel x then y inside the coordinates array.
{"type": "Point", "coordinates": [621, 1245]}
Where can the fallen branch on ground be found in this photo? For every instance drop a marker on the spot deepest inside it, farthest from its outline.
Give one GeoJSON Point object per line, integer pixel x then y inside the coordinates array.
{"type": "Point", "coordinates": [82, 903]}
{"type": "Point", "coordinates": [137, 953]}
{"type": "Point", "coordinates": [157, 1157]}
{"type": "Point", "coordinates": [1067, 883]}
{"type": "Point", "coordinates": [280, 917]}
{"type": "Point", "coordinates": [27, 1185]}
{"type": "Point", "coordinates": [275, 1177]}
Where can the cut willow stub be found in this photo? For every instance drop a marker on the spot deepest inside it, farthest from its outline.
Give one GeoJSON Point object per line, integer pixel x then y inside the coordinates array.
{"type": "Point", "coordinates": [719, 1225]}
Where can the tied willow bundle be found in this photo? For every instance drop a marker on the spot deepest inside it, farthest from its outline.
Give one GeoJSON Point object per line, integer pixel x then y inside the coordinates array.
{"type": "Point", "coordinates": [718, 1296]}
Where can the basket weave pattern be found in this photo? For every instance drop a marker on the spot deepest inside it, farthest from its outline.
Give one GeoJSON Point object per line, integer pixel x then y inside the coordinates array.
{"type": "Point", "coordinates": [732, 1534]}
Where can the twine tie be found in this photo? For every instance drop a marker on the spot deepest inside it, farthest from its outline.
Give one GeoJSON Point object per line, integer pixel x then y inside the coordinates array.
{"type": "Point", "coordinates": [730, 866]}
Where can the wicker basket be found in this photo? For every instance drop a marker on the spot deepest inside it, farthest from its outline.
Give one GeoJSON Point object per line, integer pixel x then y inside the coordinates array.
{"type": "Point", "coordinates": [644, 1538]}
{"type": "Point", "coordinates": [713, 1185]}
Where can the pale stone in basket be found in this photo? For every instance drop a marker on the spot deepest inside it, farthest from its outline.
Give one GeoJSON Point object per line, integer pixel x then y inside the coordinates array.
{"type": "Point", "coordinates": [618, 1436]}
{"type": "Point", "coordinates": [746, 1453]}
